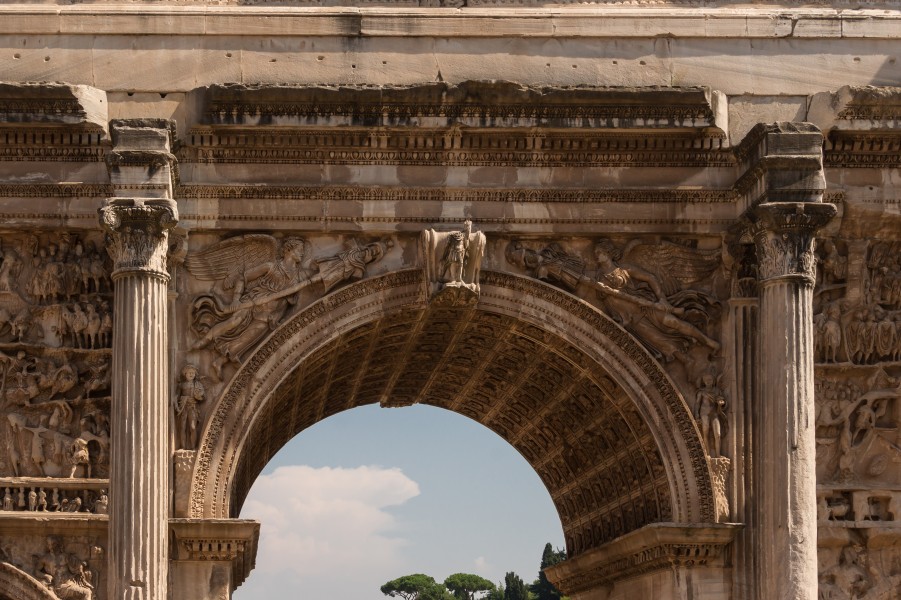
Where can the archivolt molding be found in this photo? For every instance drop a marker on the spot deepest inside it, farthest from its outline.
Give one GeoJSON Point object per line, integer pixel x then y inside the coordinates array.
{"type": "Point", "coordinates": [544, 314]}
{"type": "Point", "coordinates": [19, 585]}
{"type": "Point", "coordinates": [271, 362]}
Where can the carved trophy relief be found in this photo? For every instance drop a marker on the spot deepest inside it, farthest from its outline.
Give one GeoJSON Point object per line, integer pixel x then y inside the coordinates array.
{"type": "Point", "coordinates": [258, 279]}
{"type": "Point", "coordinates": [662, 292]}
{"type": "Point", "coordinates": [453, 261]}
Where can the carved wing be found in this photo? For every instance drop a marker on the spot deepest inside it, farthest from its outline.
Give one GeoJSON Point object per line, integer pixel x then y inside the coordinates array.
{"type": "Point", "coordinates": [675, 266]}
{"type": "Point", "coordinates": [231, 256]}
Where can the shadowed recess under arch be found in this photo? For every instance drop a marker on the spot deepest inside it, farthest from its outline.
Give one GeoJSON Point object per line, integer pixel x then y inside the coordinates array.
{"type": "Point", "coordinates": [599, 452]}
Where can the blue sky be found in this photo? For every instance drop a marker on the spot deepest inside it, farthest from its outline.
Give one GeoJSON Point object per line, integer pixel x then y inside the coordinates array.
{"type": "Point", "coordinates": [371, 494]}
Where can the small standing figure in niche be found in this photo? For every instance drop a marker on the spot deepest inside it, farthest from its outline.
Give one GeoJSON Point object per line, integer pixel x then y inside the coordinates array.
{"type": "Point", "coordinates": [191, 393]}
{"type": "Point", "coordinates": [454, 257]}
{"type": "Point", "coordinates": [80, 457]}
{"type": "Point", "coordinates": [8, 502]}
{"type": "Point", "coordinates": [32, 501]}
{"type": "Point", "coordinates": [42, 501]}
{"type": "Point", "coordinates": [711, 404]}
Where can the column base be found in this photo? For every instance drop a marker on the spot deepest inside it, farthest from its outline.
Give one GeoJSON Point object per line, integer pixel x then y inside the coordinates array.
{"type": "Point", "coordinates": [663, 561]}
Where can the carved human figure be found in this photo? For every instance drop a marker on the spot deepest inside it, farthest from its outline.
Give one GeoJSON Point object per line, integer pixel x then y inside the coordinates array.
{"type": "Point", "coordinates": [42, 501]}
{"type": "Point", "coordinates": [636, 295]}
{"type": "Point", "coordinates": [8, 502]}
{"type": "Point", "coordinates": [828, 330]}
{"type": "Point", "coordinates": [32, 500]}
{"type": "Point", "coordinates": [79, 457]}
{"type": "Point", "coordinates": [454, 257]}
{"type": "Point", "coordinates": [650, 315]}
{"type": "Point", "coordinates": [106, 325]}
{"type": "Point", "coordinates": [264, 276]}
{"type": "Point", "coordinates": [191, 393]}
{"type": "Point", "coordinates": [10, 267]}
{"type": "Point", "coordinates": [710, 412]}
{"type": "Point", "coordinates": [349, 265]}
{"type": "Point", "coordinates": [255, 269]}
{"type": "Point", "coordinates": [64, 573]}
{"type": "Point", "coordinates": [834, 266]}
{"type": "Point", "coordinates": [92, 329]}
{"type": "Point", "coordinates": [101, 505]}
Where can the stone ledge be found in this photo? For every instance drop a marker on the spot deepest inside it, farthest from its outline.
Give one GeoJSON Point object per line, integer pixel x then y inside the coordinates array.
{"type": "Point", "coordinates": [601, 21]}
{"type": "Point", "coordinates": [654, 547]}
{"type": "Point", "coordinates": [222, 540]}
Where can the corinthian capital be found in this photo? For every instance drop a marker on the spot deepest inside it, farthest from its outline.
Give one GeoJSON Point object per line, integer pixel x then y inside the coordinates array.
{"type": "Point", "coordinates": [784, 233]}
{"type": "Point", "coordinates": [138, 234]}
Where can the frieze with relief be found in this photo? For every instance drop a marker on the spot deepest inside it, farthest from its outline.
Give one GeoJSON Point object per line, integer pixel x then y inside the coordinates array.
{"type": "Point", "coordinates": [56, 324]}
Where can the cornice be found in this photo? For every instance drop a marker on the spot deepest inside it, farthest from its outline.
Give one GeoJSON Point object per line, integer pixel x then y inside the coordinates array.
{"type": "Point", "coordinates": [789, 19]}
{"type": "Point", "coordinates": [655, 547]}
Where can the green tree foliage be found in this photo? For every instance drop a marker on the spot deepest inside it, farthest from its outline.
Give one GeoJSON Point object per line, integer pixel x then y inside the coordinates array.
{"type": "Point", "coordinates": [542, 588]}
{"type": "Point", "coordinates": [467, 586]}
{"type": "Point", "coordinates": [496, 594]}
{"type": "Point", "coordinates": [515, 588]}
{"type": "Point", "coordinates": [413, 587]}
{"type": "Point", "coordinates": [438, 592]}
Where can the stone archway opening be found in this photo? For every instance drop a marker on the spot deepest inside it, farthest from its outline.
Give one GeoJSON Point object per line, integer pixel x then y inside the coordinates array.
{"type": "Point", "coordinates": [581, 400]}
{"type": "Point", "coordinates": [370, 494]}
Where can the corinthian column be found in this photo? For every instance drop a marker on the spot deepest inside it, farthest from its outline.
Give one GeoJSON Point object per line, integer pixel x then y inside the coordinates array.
{"type": "Point", "coordinates": [139, 461]}
{"type": "Point", "coordinates": [786, 448]}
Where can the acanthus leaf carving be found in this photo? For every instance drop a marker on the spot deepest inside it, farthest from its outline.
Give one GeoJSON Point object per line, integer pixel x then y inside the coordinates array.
{"type": "Point", "coordinates": [138, 234]}
{"type": "Point", "coordinates": [784, 233]}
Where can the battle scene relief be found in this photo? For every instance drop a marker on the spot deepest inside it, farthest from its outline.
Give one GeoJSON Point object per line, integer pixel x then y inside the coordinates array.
{"type": "Point", "coordinates": [55, 335]}
{"type": "Point", "coordinates": [857, 329]}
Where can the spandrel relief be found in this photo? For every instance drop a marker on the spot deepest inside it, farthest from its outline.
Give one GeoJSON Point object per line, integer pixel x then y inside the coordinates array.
{"type": "Point", "coordinates": [55, 332]}
{"type": "Point", "coordinates": [256, 280]}
{"type": "Point", "coordinates": [664, 292]}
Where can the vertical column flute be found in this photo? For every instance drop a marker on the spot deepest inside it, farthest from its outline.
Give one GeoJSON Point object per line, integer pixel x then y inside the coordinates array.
{"type": "Point", "coordinates": [786, 461]}
{"type": "Point", "coordinates": [139, 462]}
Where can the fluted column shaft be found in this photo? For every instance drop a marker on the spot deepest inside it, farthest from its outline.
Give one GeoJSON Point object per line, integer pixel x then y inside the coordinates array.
{"type": "Point", "coordinates": [785, 444]}
{"type": "Point", "coordinates": [139, 479]}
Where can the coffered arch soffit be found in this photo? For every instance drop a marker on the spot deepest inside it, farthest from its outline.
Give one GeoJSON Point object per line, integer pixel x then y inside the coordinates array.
{"type": "Point", "coordinates": [582, 400]}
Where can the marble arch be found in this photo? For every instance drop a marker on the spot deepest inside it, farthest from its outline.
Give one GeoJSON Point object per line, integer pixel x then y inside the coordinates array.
{"type": "Point", "coordinates": [18, 585]}
{"type": "Point", "coordinates": [263, 406]}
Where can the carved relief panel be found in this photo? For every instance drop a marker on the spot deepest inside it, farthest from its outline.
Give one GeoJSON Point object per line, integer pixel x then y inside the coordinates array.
{"type": "Point", "coordinates": [667, 293]}
{"type": "Point", "coordinates": [55, 333]}
{"type": "Point", "coordinates": [857, 336]}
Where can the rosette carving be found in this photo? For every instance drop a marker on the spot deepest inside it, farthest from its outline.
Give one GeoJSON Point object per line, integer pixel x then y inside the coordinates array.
{"type": "Point", "coordinates": [138, 234]}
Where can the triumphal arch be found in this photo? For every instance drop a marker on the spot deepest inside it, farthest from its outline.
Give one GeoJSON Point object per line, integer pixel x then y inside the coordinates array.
{"type": "Point", "coordinates": [653, 245]}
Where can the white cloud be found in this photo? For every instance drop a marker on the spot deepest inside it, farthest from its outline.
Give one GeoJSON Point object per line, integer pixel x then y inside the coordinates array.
{"type": "Point", "coordinates": [482, 566]}
{"type": "Point", "coordinates": [325, 529]}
